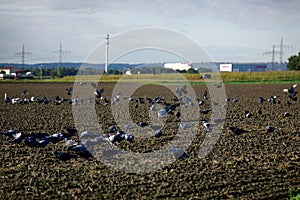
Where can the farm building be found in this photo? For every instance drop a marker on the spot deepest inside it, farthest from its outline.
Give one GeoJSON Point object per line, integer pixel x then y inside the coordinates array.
{"type": "Point", "coordinates": [251, 67]}
{"type": "Point", "coordinates": [14, 72]}
{"type": "Point", "coordinates": [9, 70]}
{"type": "Point", "coordinates": [178, 66]}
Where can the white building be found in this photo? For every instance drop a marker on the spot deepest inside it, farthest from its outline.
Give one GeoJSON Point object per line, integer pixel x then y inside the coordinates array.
{"type": "Point", "coordinates": [178, 66]}
{"type": "Point", "coordinates": [225, 67]}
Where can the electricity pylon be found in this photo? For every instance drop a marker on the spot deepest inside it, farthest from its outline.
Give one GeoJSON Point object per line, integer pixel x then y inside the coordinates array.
{"type": "Point", "coordinates": [273, 52]}
{"type": "Point", "coordinates": [61, 52]}
{"type": "Point", "coordinates": [23, 53]}
{"type": "Point", "coordinates": [281, 46]}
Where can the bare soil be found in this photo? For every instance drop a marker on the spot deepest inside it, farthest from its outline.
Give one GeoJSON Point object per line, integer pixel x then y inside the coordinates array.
{"type": "Point", "coordinates": [254, 165]}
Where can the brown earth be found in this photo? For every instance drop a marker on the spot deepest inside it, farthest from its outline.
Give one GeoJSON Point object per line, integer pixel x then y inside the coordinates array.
{"type": "Point", "coordinates": [254, 165]}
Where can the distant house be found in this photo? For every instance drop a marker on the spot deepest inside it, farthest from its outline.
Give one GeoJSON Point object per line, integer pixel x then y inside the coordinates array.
{"type": "Point", "coordinates": [128, 72]}
{"type": "Point", "coordinates": [14, 72]}
{"type": "Point", "coordinates": [9, 70]}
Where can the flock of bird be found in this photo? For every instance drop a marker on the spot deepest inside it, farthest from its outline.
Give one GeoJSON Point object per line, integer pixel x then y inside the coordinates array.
{"type": "Point", "coordinates": [115, 136]}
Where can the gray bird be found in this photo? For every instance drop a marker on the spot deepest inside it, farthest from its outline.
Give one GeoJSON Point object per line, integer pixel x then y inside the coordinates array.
{"type": "Point", "coordinates": [270, 128]}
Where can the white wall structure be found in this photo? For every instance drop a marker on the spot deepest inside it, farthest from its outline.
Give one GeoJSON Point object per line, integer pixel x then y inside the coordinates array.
{"type": "Point", "coordinates": [178, 66]}
{"type": "Point", "coordinates": [225, 67]}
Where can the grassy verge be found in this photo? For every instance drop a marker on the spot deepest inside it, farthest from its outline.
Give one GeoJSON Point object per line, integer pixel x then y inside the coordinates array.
{"type": "Point", "coordinates": [227, 77]}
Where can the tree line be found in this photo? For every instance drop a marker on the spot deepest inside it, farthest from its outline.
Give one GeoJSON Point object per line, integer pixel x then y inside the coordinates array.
{"type": "Point", "coordinates": [53, 72]}
{"type": "Point", "coordinates": [294, 62]}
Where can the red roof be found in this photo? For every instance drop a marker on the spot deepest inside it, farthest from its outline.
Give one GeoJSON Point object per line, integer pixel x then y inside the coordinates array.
{"type": "Point", "coordinates": [9, 67]}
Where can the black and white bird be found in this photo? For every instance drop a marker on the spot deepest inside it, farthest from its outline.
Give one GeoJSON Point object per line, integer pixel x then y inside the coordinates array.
{"type": "Point", "coordinates": [142, 124]}
{"type": "Point", "coordinates": [157, 133]}
{"type": "Point", "coordinates": [6, 98]}
{"type": "Point", "coordinates": [259, 111]}
{"type": "Point", "coordinates": [204, 95]}
{"type": "Point", "coordinates": [128, 137]}
{"type": "Point", "coordinates": [237, 131]}
{"type": "Point", "coordinates": [201, 103]}
{"type": "Point", "coordinates": [18, 137]}
{"type": "Point", "coordinates": [81, 150]}
{"type": "Point", "coordinates": [112, 129]}
{"type": "Point", "coordinates": [248, 114]}
{"type": "Point", "coordinates": [56, 137]}
{"type": "Point", "coordinates": [205, 111]}
{"type": "Point", "coordinates": [68, 90]}
{"type": "Point", "coordinates": [261, 100]}
{"type": "Point", "coordinates": [273, 99]}
{"type": "Point", "coordinates": [270, 128]}
{"type": "Point", "coordinates": [206, 126]}
{"type": "Point", "coordinates": [235, 100]}
{"type": "Point", "coordinates": [98, 93]}
{"type": "Point", "coordinates": [286, 114]}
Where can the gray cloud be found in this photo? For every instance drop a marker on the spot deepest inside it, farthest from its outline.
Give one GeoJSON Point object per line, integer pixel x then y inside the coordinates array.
{"type": "Point", "coordinates": [81, 25]}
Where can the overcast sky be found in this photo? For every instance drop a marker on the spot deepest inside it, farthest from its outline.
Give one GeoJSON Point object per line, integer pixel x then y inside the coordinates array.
{"type": "Point", "coordinates": [231, 30]}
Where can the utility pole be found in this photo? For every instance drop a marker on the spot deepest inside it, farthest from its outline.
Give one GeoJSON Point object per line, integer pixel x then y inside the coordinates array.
{"type": "Point", "coordinates": [282, 46]}
{"type": "Point", "coordinates": [23, 53]}
{"type": "Point", "coordinates": [273, 52]}
{"type": "Point", "coordinates": [41, 72]}
{"type": "Point", "coordinates": [106, 52]}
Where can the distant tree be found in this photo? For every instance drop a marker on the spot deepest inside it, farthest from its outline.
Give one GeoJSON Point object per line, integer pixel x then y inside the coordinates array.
{"type": "Point", "coordinates": [113, 71]}
{"type": "Point", "coordinates": [294, 62]}
{"type": "Point", "coordinates": [203, 70]}
{"type": "Point", "coordinates": [59, 72]}
{"type": "Point", "coordinates": [157, 70]}
{"type": "Point", "coordinates": [192, 71]}
{"type": "Point", "coordinates": [53, 73]}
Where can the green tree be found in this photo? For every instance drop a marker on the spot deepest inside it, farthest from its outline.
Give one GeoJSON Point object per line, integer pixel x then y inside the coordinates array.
{"type": "Point", "coordinates": [59, 71]}
{"type": "Point", "coordinates": [53, 73]}
{"type": "Point", "coordinates": [192, 71]}
{"type": "Point", "coordinates": [294, 62]}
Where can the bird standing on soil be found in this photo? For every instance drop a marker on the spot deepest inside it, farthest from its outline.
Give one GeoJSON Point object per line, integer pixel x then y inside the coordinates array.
{"type": "Point", "coordinates": [204, 95]}
{"type": "Point", "coordinates": [24, 92]}
{"type": "Point", "coordinates": [261, 100]}
{"type": "Point", "coordinates": [248, 114]}
{"type": "Point", "coordinates": [178, 114]}
{"type": "Point", "coordinates": [270, 128]}
{"type": "Point", "coordinates": [237, 131]}
{"type": "Point", "coordinates": [157, 133]}
{"type": "Point", "coordinates": [286, 114]}
{"type": "Point", "coordinates": [68, 90]}
{"type": "Point", "coordinates": [6, 98]}
{"type": "Point", "coordinates": [205, 111]}
{"type": "Point", "coordinates": [206, 126]}
{"type": "Point", "coordinates": [259, 111]}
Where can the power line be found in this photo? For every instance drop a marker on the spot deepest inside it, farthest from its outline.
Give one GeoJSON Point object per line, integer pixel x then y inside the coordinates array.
{"type": "Point", "coordinates": [273, 52]}
{"type": "Point", "coordinates": [281, 46]}
{"type": "Point", "coordinates": [61, 52]}
{"type": "Point", "coordinates": [23, 53]}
